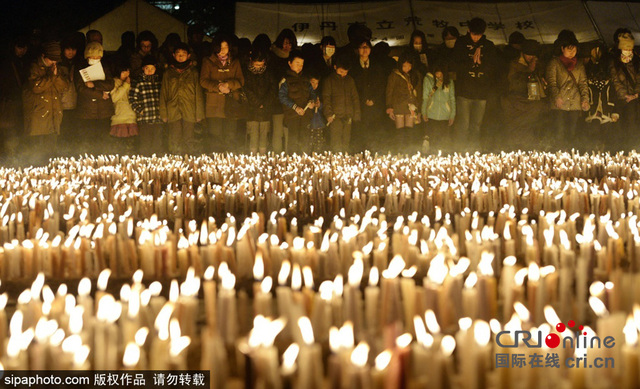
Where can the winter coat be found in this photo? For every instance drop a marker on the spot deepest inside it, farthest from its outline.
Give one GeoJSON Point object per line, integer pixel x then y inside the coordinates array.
{"type": "Point", "coordinates": [120, 96]}
{"type": "Point", "coordinates": [625, 77]}
{"type": "Point", "coordinates": [439, 104]}
{"type": "Point", "coordinates": [340, 97]}
{"type": "Point", "coordinates": [181, 95]}
{"type": "Point", "coordinates": [41, 99]}
{"type": "Point", "coordinates": [518, 78]}
{"type": "Point", "coordinates": [261, 90]}
{"type": "Point", "coordinates": [402, 91]}
{"type": "Point", "coordinates": [214, 73]}
{"type": "Point", "coordinates": [370, 83]}
{"type": "Point", "coordinates": [91, 105]}
{"type": "Point", "coordinates": [295, 91]}
{"type": "Point", "coordinates": [145, 99]}
{"type": "Point", "coordinates": [560, 84]}
{"type": "Point", "coordinates": [474, 80]}
{"type": "Point", "coordinates": [602, 95]}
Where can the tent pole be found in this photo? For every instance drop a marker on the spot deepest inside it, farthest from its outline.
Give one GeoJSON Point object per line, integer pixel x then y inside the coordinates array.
{"type": "Point", "coordinates": [593, 21]}
{"type": "Point", "coordinates": [413, 18]}
{"type": "Point", "coordinates": [137, 17]}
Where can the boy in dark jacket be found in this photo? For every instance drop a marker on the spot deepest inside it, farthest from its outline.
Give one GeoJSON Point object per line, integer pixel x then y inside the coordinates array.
{"type": "Point", "coordinates": [475, 58]}
{"type": "Point", "coordinates": [341, 105]}
{"type": "Point", "coordinates": [260, 88]}
{"type": "Point", "coordinates": [144, 97]}
{"type": "Point", "coordinates": [181, 100]}
{"type": "Point", "coordinates": [297, 98]}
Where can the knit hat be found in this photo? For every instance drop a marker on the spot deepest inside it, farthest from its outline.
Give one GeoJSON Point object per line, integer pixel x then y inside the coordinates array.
{"type": "Point", "coordinates": [52, 51]}
{"type": "Point", "coordinates": [93, 49]}
{"type": "Point", "coordinates": [530, 47]}
{"type": "Point", "coordinates": [149, 60]}
{"type": "Point", "coordinates": [626, 42]}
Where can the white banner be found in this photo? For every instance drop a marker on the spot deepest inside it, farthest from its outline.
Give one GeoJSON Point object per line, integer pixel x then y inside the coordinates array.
{"type": "Point", "coordinates": [393, 22]}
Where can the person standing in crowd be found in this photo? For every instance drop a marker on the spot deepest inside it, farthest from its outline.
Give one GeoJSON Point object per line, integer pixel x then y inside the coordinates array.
{"type": "Point", "coordinates": [261, 99]}
{"type": "Point", "coordinates": [94, 106]}
{"type": "Point", "coordinates": [318, 124]}
{"type": "Point", "coordinates": [195, 40]}
{"type": "Point", "coordinates": [525, 100]}
{"type": "Point", "coordinates": [71, 62]}
{"type": "Point", "coordinates": [42, 100]}
{"type": "Point", "coordinates": [328, 48]}
{"type": "Point", "coordinates": [181, 100]}
{"type": "Point", "coordinates": [625, 74]}
{"type": "Point", "coordinates": [221, 76]}
{"type": "Point", "coordinates": [444, 53]}
{"type": "Point", "coordinates": [146, 44]}
{"type": "Point", "coordinates": [167, 49]}
{"type": "Point", "coordinates": [144, 97]}
{"type": "Point", "coordinates": [124, 126]}
{"type": "Point", "coordinates": [94, 36]}
{"type": "Point", "coordinates": [279, 66]}
{"type": "Point", "coordinates": [370, 83]}
{"type": "Point", "coordinates": [418, 50]}
{"type": "Point", "coordinates": [438, 107]}
{"type": "Point", "coordinates": [567, 85]}
{"type": "Point", "coordinates": [15, 71]}
{"type": "Point", "coordinates": [127, 47]}
{"type": "Point", "coordinates": [603, 110]}
{"type": "Point", "coordinates": [475, 57]}
{"type": "Point", "coordinates": [341, 105]}
{"type": "Point", "coordinates": [403, 87]}
{"type": "Point", "coordinates": [298, 98]}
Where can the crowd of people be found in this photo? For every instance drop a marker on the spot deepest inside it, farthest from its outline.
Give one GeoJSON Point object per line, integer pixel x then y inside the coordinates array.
{"type": "Point", "coordinates": [257, 96]}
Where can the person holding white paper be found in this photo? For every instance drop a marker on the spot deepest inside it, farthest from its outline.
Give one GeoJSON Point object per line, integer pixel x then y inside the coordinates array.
{"type": "Point", "coordinates": [94, 106]}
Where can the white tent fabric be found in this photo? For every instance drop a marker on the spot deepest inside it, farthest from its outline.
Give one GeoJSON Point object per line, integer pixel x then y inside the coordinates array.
{"type": "Point", "coordinates": [136, 16]}
{"type": "Point", "coordinates": [609, 16]}
{"type": "Point", "coordinates": [393, 22]}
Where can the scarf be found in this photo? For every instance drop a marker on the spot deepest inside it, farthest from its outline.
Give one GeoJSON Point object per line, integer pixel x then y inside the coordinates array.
{"type": "Point", "coordinates": [569, 64]}
{"type": "Point", "coordinates": [223, 60]}
{"type": "Point", "coordinates": [181, 65]}
{"type": "Point", "coordinates": [256, 70]}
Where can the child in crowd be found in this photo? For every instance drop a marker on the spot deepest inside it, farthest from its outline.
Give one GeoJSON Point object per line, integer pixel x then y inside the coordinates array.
{"type": "Point", "coordinates": [341, 105]}
{"type": "Point", "coordinates": [297, 98]}
{"type": "Point", "coordinates": [318, 124]}
{"type": "Point", "coordinates": [261, 93]}
{"type": "Point", "coordinates": [123, 123]}
{"type": "Point", "coordinates": [145, 101]}
{"type": "Point", "coordinates": [438, 107]}
{"type": "Point", "coordinates": [181, 100]}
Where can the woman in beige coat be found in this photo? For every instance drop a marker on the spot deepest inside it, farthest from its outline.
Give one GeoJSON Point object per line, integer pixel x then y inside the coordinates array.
{"type": "Point", "coordinates": [567, 87]}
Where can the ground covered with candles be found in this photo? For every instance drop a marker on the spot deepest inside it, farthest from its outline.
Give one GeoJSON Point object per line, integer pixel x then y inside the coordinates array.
{"type": "Point", "coordinates": [513, 270]}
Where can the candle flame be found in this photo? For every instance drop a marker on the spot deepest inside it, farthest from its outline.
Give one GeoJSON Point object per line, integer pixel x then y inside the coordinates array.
{"type": "Point", "coordinates": [382, 360]}
{"type": "Point", "coordinates": [356, 270]}
{"type": "Point", "coordinates": [346, 335]}
{"type": "Point", "coordinates": [103, 279]}
{"type": "Point", "coordinates": [485, 266]}
{"type": "Point", "coordinates": [465, 323]}
{"type": "Point", "coordinates": [155, 288]}
{"type": "Point", "coordinates": [396, 266]}
{"type": "Point", "coordinates": [432, 322]}
{"type": "Point", "coordinates": [447, 345]}
{"type": "Point", "coordinates": [471, 280]}
{"type": "Point", "coordinates": [15, 325]}
{"type": "Point", "coordinates": [519, 276]}
{"type": "Point", "coordinates": [374, 276]}
{"type": "Point", "coordinates": [141, 336]}
{"type": "Point", "coordinates": [630, 332]}
{"type": "Point", "coordinates": [422, 336]}
{"type": "Point", "coordinates": [131, 355]}
{"type": "Point", "coordinates": [296, 278]}
{"type": "Point", "coordinates": [360, 354]}
{"type": "Point", "coordinates": [162, 321]}
{"type": "Point", "coordinates": [521, 311]}
{"type": "Point", "coordinates": [305, 328]}
{"type": "Point", "coordinates": [598, 306]}
{"type": "Point", "coordinates": [404, 340]}
{"type": "Point", "coordinates": [482, 333]}
{"type": "Point", "coordinates": [326, 290]}
{"type": "Point", "coordinates": [258, 267]}
{"type": "Point", "coordinates": [437, 269]}
{"type": "Point", "coordinates": [283, 275]}
{"type": "Point", "coordinates": [289, 357]}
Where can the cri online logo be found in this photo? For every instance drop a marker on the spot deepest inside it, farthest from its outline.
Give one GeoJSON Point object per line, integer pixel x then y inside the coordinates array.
{"type": "Point", "coordinates": [554, 340]}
